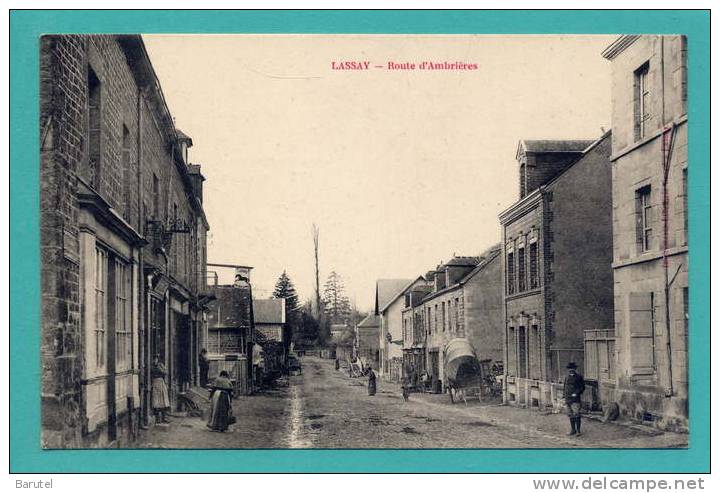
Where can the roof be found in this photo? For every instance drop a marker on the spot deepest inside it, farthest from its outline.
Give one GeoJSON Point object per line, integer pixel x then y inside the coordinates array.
{"type": "Point", "coordinates": [387, 291]}
{"type": "Point", "coordinates": [486, 258]}
{"type": "Point", "coordinates": [462, 261]}
{"type": "Point", "coordinates": [556, 145]}
{"type": "Point", "coordinates": [230, 308]}
{"type": "Point", "coordinates": [589, 148]}
{"type": "Point", "coordinates": [619, 45]}
{"type": "Point", "coordinates": [370, 321]}
{"type": "Point", "coordinates": [546, 146]}
{"type": "Point", "coordinates": [182, 136]}
{"type": "Point", "coordinates": [269, 311]}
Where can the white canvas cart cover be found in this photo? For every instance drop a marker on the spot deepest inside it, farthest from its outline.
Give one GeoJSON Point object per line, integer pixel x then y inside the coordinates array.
{"type": "Point", "coordinates": [460, 352]}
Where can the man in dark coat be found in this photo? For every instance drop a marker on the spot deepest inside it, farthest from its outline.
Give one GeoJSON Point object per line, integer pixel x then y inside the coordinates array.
{"type": "Point", "coordinates": [572, 392]}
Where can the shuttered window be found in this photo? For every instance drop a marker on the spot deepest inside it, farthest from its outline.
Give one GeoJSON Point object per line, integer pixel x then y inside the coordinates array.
{"type": "Point", "coordinates": [642, 333]}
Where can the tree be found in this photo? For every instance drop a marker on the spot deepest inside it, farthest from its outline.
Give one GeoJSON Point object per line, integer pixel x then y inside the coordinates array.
{"type": "Point", "coordinates": [284, 288]}
{"type": "Point", "coordinates": [316, 245]}
{"type": "Point", "coordinates": [308, 328]}
{"type": "Point", "coordinates": [336, 303]}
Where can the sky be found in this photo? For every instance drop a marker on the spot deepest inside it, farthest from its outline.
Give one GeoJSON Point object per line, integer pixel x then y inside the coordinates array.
{"type": "Point", "coordinates": [399, 169]}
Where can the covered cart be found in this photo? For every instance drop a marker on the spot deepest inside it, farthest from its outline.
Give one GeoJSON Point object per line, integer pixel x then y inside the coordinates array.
{"type": "Point", "coordinates": [462, 368]}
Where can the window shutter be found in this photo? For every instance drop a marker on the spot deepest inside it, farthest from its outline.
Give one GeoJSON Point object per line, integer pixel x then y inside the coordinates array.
{"type": "Point", "coordinates": [642, 340]}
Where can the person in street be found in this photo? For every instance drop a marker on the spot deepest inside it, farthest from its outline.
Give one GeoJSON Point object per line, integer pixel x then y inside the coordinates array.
{"type": "Point", "coordinates": [406, 388]}
{"type": "Point", "coordinates": [372, 384]}
{"type": "Point", "coordinates": [424, 380]}
{"type": "Point", "coordinates": [572, 392]}
{"type": "Point", "coordinates": [204, 367]}
{"type": "Point", "coordinates": [221, 392]}
{"type": "Point", "coordinates": [160, 396]}
{"type": "Point", "coordinates": [337, 364]}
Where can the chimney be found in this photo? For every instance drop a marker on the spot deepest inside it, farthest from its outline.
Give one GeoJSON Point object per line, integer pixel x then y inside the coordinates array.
{"type": "Point", "coordinates": [197, 179]}
{"type": "Point", "coordinates": [542, 160]}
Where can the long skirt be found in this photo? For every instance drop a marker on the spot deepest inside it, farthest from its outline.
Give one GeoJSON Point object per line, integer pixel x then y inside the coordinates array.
{"type": "Point", "coordinates": [372, 387]}
{"type": "Point", "coordinates": [220, 411]}
{"type": "Point", "coordinates": [160, 397]}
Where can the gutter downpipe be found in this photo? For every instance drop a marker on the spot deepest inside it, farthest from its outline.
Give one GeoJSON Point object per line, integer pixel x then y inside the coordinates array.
{"type": "Point", "coordinates": [667, 146]}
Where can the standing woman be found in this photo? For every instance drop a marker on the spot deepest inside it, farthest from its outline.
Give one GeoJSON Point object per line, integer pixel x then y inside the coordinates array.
{"type": "Point", "coordinates": [372, 385]}
{"type": "Point", "coordinates": [160, 397]}
{"type": "Point", "coordinates": [220, 411]}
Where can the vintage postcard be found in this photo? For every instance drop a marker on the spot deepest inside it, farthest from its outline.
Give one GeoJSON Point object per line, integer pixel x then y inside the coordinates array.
{"type": "Point", "coordinates": [366, 241]}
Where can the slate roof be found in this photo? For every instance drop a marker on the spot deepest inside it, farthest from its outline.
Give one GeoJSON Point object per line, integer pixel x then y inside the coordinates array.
{"type": "Point", "coordinates": [556, 145]}
{"type": "Point", "coordinates": [370, 321]}
{"type": "Point", "coordinates": [463, 261]}
{"type": "Point", "coordinates": [269, 311]}
{"type": "Point", "coordinates": [386, 290]}
{"type": "Point", "coordinates": [230, 308]}
{"type": "Point", "coordinates": [183, 136]}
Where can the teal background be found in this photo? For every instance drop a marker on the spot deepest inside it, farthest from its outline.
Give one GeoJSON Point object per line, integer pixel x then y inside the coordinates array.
{"type": "Point", "coordinates": [27, 26]}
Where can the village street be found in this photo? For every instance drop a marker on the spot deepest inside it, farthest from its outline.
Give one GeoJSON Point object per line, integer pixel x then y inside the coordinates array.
{"type": "Point", "coordinates": [324, 408]}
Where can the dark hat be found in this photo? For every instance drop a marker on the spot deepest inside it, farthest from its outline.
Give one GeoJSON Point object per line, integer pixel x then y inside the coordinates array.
{"type": "Point", "coordinates": [571, 366]}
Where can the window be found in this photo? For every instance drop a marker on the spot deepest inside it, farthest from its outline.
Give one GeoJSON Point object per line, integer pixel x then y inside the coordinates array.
{"type": "Point", "coordinates": [123, 341]}
{"type": "Point", "coordinates": [522, 353]}
{"type": "Point", "coordinates": [443, 316]}
{"type": "Point", "coordinates": [457, 313]}
{"type": "Point", "coordinates": [642, 101]}
{"type": "Point", "coordinates": [521, 269]}
{"type": "Point", "coordinates": [643, 218]}
{"type": "Point", "coordinates": [512, 351]}
{"type": "Point", "coordinates": [427, 321]}
{"type": "Point", "coordinates": [435, 317]}
{"type": "Point", "coordinates": [642, 333]}
{"type": "Point", "coordinates": [101, 270]}
{"type": "Point", "coordinates": [126, 170]}
{"type": "Point", "coordinates": [534, 352]}
{"type": "Point", "coordinates": [156, 197]}
{"type": "Point", "coordinates": [534, 284]}
{"type": "Point", "coordinates": [94, 129]}
{"type": "Point", "coordinates": [510, 273]}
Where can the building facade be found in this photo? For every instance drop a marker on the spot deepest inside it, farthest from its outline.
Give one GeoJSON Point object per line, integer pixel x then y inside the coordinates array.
{"type": "Point", "coordinates": [122, 241]}
{"type": "Point", "coordinates": [650, 228]}
{"type": "Point", "coordinates": [465, 303]}
{"type": "Point", "coordinates": [556, 264]}
{"type": "Point", "coordinates": [367, 340]}
{"type": "Point", "coordinates": [389, 311]}
{"type": "Point", "coordinates": [413, 326]}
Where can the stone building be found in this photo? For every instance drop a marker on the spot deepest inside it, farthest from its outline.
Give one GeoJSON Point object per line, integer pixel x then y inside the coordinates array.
{"type": "Point", "coordinates": [556, 264]}
{"type": "Point", "coordinates": [388, 307]}
{"type": "Point", "coordinates": [122, 240]}
{"type": "Point", "coordinates": [413, 325]}
{"type": "Point", "coordinates": [465, 303]}
{"type": "Point", "coordinates": [650, 228]}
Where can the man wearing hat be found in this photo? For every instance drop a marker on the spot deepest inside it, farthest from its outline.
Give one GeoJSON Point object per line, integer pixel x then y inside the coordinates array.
{"type": "Point", "coordinates": [573, 389]}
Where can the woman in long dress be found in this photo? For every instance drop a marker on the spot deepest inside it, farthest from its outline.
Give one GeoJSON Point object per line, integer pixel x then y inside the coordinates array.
{"type": "Point", "coordinates": [220, 397]}
{"type": "Point", "coordinates": [372, 385]}
{"type": "Point", "coordinates": [160, 397]}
